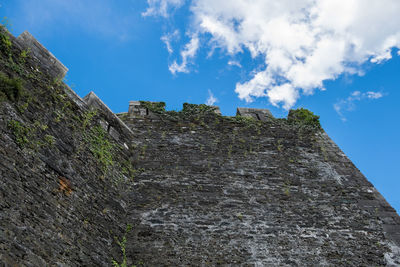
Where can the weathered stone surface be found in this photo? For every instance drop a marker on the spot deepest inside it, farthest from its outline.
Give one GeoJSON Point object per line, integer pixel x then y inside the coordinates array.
{"type": "Point", "coordinates": [206, 190]}
{"type": "Point", "coordinates": [137, 110]}
{"type": "Point", "coordinates": [255, 113]}
{"type": "Point", "coordinates": [51, 64]}
{"type": "Point", "coordinates": [231, 195]}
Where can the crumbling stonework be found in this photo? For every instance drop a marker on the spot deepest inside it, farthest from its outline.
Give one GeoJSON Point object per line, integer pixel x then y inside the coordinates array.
{"type": "Point", "coordinates": [197, 188]}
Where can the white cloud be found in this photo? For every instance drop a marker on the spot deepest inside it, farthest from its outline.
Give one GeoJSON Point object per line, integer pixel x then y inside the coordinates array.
{"type": "Point", "coordinates": [349, 103]}
{"type": "Point", "coordinates": [374, 95]}
{"type": "Point", "coordinates": [234, 63]}
{"type": "Point", "coordinates": [161, 7]}
{"type": "Point", "coordinates": [302, 43]}
{"type": "Point", "coordinates": [168, 38]}
{"type": "Point", "coordinates": [211, 100]}
{"type": "Point", "coordinates": [187, 54]}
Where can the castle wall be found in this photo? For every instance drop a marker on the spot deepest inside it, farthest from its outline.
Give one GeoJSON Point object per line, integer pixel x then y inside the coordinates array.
{"type": "Point", "coordinates": [201, 190]}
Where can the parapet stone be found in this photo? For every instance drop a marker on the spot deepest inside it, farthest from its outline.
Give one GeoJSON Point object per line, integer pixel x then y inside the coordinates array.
{"type": "Point", "coordinates": [48, 60]}
{"type": "Point", "coordinates": [113, 125]}
{"type": "Point", "coordinates": [138, 110]}
{"type": "Point", "coordinates": [255, 113]}
{"type": "Point", "coordinates": [217, 110]}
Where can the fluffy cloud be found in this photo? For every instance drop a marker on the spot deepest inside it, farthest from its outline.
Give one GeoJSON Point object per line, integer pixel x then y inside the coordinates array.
{"type": "Point", "coordinates": [302, 43]}
{"type": "Point", "coordinates": [349, 104]}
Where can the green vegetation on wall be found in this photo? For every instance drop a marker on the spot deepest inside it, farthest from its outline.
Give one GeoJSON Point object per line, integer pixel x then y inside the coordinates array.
{"type": "Point", "coordinates": [201, 113]}
{"type": "Point", "coordinates": [194, 109]}
{"type": "Point", "coordinates": [5, 41]}
{"type": "Point", "coordinates": [189, 111]}
{"type": "Point", "coordinates": [101, 147]}
{"type": "Point", "coordinates": [122, 244]}
{"type": "Point", "coordinates": [10, 88]}
{"type": "Point", "coordinates": [304, 117]}
{"type": "Point", "coordinates": [156, 107]}
{"type": "Point", "coordinates": [22, 134]}
{"type": "Point", "coordinates": [31, 136]}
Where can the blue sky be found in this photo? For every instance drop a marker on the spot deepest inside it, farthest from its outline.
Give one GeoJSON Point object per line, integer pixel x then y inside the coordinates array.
{"type": "Point", "coordinates": [337, 58]}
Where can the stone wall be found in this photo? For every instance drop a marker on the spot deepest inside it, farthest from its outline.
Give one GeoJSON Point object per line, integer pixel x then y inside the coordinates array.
{"type": "Point", "coordinates": [216, 192]}
{"type": "Point", "coordinates": [62, 177]}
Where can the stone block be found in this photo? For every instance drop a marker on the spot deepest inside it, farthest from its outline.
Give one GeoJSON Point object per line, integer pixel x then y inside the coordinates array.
{"type": "Point", "coordinates": [217, 110]}
{"type": "Point", "coordinates": [255, 113]}
{"type": "Point", "coordinates": [137, 110]}
{"type": "Point", "coordinates": [104, 125]}
{"type": "Point", "coordinates": [115, 124]}
{"type": "Point", "coordinates": [114, 133]}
